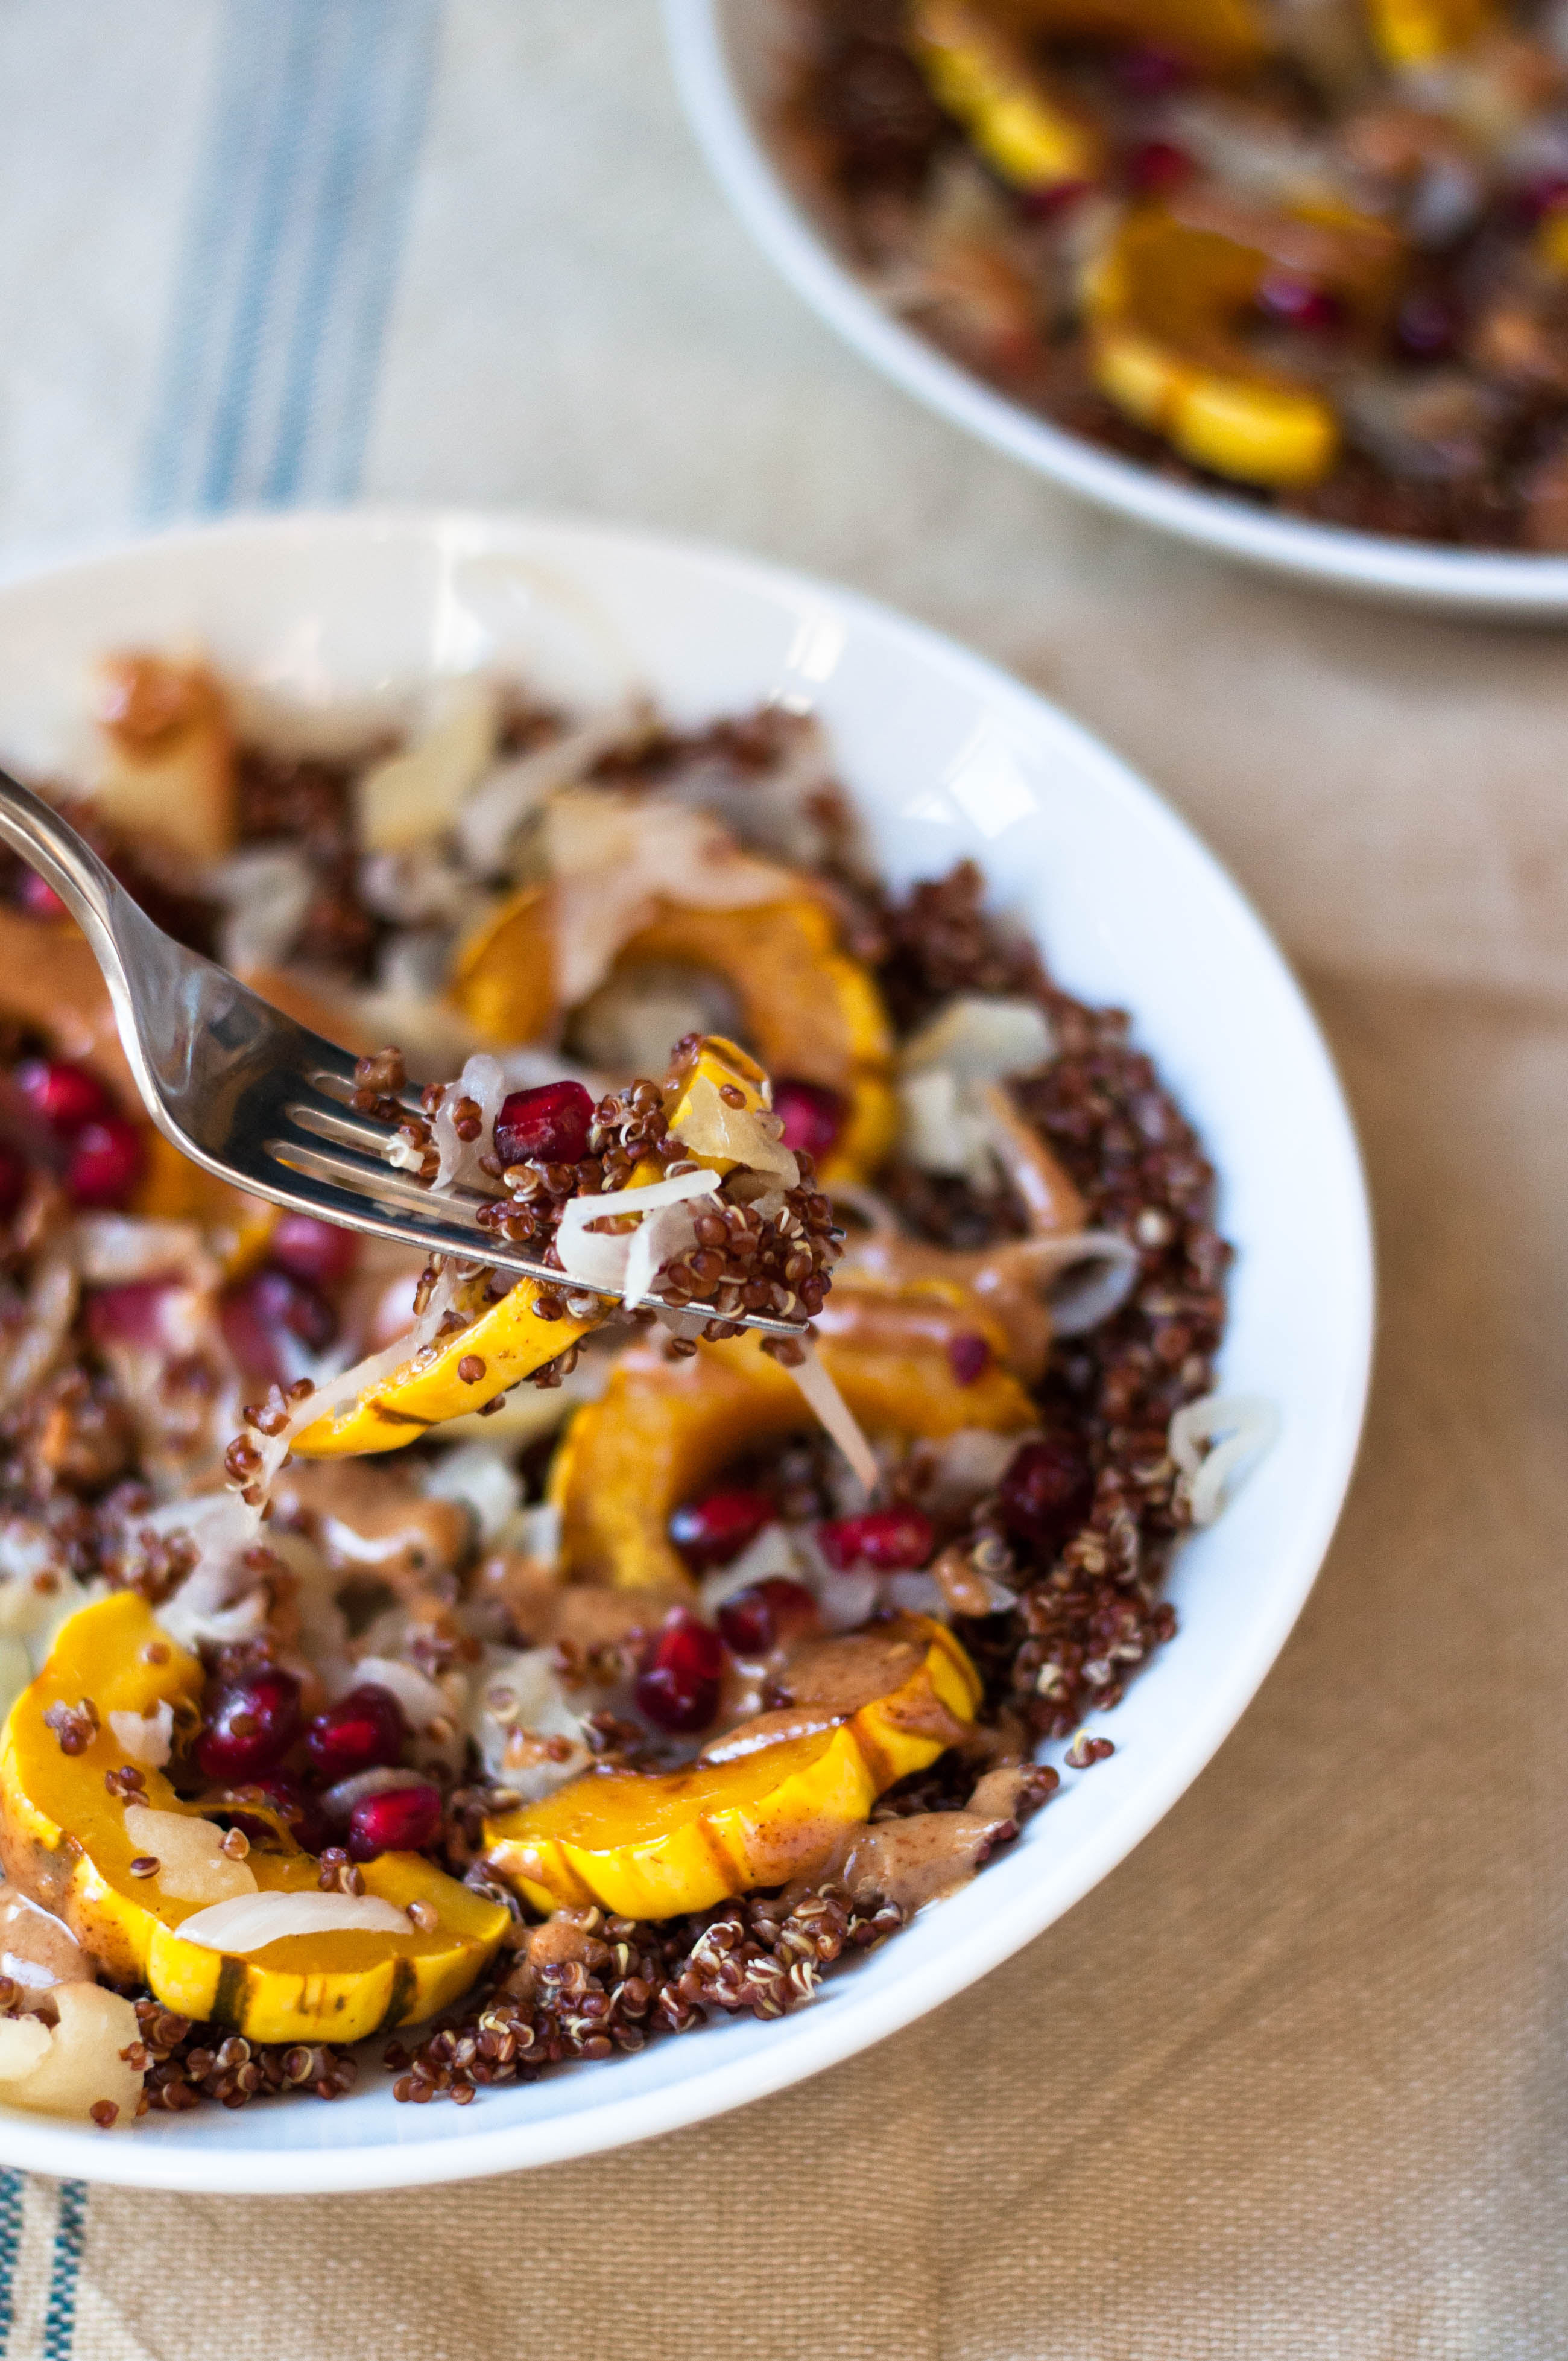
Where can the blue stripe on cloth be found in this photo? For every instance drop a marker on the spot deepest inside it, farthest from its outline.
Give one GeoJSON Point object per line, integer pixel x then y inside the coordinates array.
{"type": "Point", "coordinates": [10, 2247]}
{"type": "Point", "coordinates": [291, 253]}
{"type": "Point", "coordinates": [60, 2315]}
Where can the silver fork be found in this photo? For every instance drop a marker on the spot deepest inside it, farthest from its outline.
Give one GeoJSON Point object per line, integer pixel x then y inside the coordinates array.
{"type": "Point", "coordinates": [248, 1093]}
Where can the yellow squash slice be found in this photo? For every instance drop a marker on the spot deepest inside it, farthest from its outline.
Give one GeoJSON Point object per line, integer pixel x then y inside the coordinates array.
{"type": "Point", "coordinates": [64, 1838]}
{"type": "Point", "coordinates": [665, 1429]}
{"type": "Point", "coordinates": [649, 1845]}
{"type": "Point", "coordinates": [1163, 307]}
{"type": "Point", "coordinates": [1032, 133]}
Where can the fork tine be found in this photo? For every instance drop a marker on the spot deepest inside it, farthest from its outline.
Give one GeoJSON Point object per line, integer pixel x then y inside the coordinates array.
{"type": "Point", "coordinates": [337, 1123]}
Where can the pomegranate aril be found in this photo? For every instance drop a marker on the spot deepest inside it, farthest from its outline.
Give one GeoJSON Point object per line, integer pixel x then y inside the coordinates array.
{"type": "Point", "coordinates": [756, 1619]}
{"type": "Point", "coordinates": [888, 1541]}
{"type": "Point", "coordinates": [39, 899]}
{"type": "Point", "coordinates": [317, 1251]}
{"type": "Point", "coordinates": [1427, 325]}
{"type": "Point", "coordinates": [105, 1164]}
{"type": "Point", "coordinates": [713, 1531]}
{"type": "Point", "coordinates": [1046, 1490]}
{"type": "Point", "coordinates": [363, 1731]}
{"type": "Point", "coordinates": [1294, 302]}
{"type": "Point", "coordinates": [1155, 165]}
{"type": "Point", "coordinates": [13, 1180]}
{"type": "Point", "coordinates": [547, 1125]}
{"type": "Point", "coordinates": [813, 1116]}
{"type": "Point", "coordinates": [1145, 70]}
{"type": "Point", "coordinates": [66, 1096]}
{"type": "Point", "coordinates": [132, 1315]}
{"type": "Point", "coordinates": [1052, 199]}
{"type": "Point", "coordinates": [968, 1356]}
{"type": "Point", "coordinates": [399, 1819]}
{"type": "Point", "coordinates": [299, 1809]}
{"type": "Point", "coordinates": [250, 1726]}
{"type": "Point", "coordinates": [677, 1688]}
{"type": "Point", "coordinates": [261, 1315]}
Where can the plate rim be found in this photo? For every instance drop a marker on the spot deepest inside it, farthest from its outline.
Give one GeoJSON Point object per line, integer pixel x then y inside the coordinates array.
{"type": "Point", "coordinates": [818, 2037]}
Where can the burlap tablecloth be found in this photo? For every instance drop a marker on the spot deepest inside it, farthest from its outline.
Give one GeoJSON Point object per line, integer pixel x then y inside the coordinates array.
{"type": "Point", "coordinates": [1292, 2081]}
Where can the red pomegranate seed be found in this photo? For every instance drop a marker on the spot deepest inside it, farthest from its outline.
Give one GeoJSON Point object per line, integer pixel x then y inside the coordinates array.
{"type": "Point", "coordinates": [752, 1620]}
{"type": "Point", "coordinates": [889, 1540]}
{"type": "Point", "coordinates": [38, 900]}
{"type": "Point", "coordinates": [1056, 198]}
{"type": "Point", "coordinates": [266, 1310]}
{"type": "Point", "coordinates": [1295, 302]}
{"type": "Point", "coordinates": [250, 1726]}
{"type": "Point", "coordinates": [715, 1530]}
{"type": "Point", "coordinates": [1145, 70]}
{"type": "Point", "coordinates": [66, 1096]}
{"type": "Point", "coordinates": [302, 1813]}
{"type": "Point", "coordinates": [105, 1164]}
{"type": "Point", "coordinates": [317, 1251]}
{"type": "Point", "coordinates": [812, 1114]}
{"type": "Point", "coordinates": [677, 1688]}
{"type": "Point", "coordinates": [1427, 325]}
{"type": "Point", "coordinates": [968, 1356]}
{"type": "Point", "coordinates": [1155, 165]}
{"type": "Point", "coordinates": [1541, 193]}
{"type": "Point", "coordinates": [1046, 1490]}
{"type": "Point", "coordinates": [131, 1314]}
{"type": "Point", "coordinates": [363, 1731]}
{"type": "Point", "coordinates": [13, 1180]}
{"type": "Point", "coordinates": [399, 1819]}
{"type": "Point", "coordinates": [549, 1125]}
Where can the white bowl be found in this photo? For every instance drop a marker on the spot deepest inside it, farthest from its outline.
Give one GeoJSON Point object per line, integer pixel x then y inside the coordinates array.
{"type": "Point", "coordinates": [726, 57]}
{"type": "Point", "coordinates": [946, 756]}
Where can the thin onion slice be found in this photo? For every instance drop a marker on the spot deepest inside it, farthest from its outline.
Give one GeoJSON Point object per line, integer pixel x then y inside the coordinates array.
{"type": "Point", "coordinates": [251, 1921]}
{"type": "Point", "coordinates": [837, 1416]}
{"type": "Point", "coordinates": [1236, 1428]}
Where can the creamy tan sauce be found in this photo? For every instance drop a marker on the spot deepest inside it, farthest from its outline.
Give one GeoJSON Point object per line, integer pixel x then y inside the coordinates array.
{"type": "Point", "coordinates": [37, 1950]}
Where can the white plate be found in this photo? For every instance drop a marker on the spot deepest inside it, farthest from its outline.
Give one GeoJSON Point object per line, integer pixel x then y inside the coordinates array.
{"type": "Point", "coordinates": [726, 56]}
{"type": "Point", "coordinates": [946, 756]}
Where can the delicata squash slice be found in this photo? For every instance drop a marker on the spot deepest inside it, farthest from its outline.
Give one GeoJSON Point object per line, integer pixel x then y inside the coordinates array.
{"type": "Point", "coordinates": [1164, 301]}
{"type": "Point", "coordinates": [766, 1804]}
{"type": "Point", "coordinates": [65, 1838]}
{"type": "Point", "coordinates": [665, 1429]}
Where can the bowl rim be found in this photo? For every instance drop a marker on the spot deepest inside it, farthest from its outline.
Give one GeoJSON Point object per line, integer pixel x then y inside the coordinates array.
{"type": "Point", "coordinates": [1501, 584]}
{"type": "Point", "coordinates": [818, 2038]}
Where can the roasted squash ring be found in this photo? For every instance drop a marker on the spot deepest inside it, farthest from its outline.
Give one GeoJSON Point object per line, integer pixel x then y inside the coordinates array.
{"type": "Point", "coordinates": [64, 1838]}
{"type": "Point", "coordinates": [649, 1845]}
{"type": "Point", "coordinates": [664, 1428]}
{"type": "Point", "coordinates": [1162, 306]}
{"type": "Point", "coordinates": [1029, 131]}
{"type": "Point", "coordinates": [809, 1010]}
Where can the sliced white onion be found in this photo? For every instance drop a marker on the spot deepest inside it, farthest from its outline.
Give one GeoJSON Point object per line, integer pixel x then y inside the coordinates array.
{"type": "Point", "coordinates": [251, 1921]}
{"type": "Point", "coordinates": [265, 891]}
{"type": "Point", "coordinates": [598, 1259]}
{"type": "Point", "coordinates": [917, 1594]}
{"type": "Point", "coordinates": [415, 795]}
{"type": "Point", "coordinates": [146, 1737]}
{"type": "Point", "coordinates": [484, 1480]}
{"type": "Point", "coordinates": [498, 805]}
{"type": "Point", "coordinates": [837, 1416]}
{"type": "Point", "coordinates": [50, 1306]}
{"type": "Point", "coordinates": [117, 1250]}
{"type": "Point", "coordinates": [660, 1240]}
{"type": "Point", "coordinates": [483, 1081]}
{"type": "Point", "coordinates": [847, 1599]}
{"type": "Point", "coordinates": [710, 1127]}
{"type": "Point", "coordinates": [980, 1039]}
{"type": "Point", "coordinates": [1098, 1270]}
{"type": "Point", "coordinates": [423, 1700]}
{"type": "Point", "coordinates": [772, 1553]}
{"type": "Point", "coordinates": [1236, 1428]}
